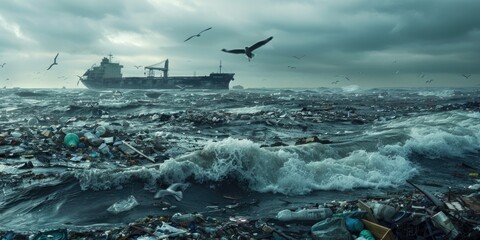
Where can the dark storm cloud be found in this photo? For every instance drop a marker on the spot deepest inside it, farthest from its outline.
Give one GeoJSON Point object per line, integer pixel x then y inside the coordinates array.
{"type": "Point", "coordinates": [383, 39]}
{"type": "Point", "coordinates": [441, 32]}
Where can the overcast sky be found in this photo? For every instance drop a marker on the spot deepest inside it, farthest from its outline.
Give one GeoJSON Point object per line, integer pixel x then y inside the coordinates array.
{"type": "Point", "coordinates": [387, 43]}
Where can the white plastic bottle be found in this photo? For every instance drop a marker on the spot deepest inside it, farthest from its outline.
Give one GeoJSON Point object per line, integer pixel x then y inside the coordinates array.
{"type": "Point", "coordinates": [305, 214]}
{"type": "Point", "coordinates": [185, 218]}
{"type": "Point", "coordinates": [383, 211]}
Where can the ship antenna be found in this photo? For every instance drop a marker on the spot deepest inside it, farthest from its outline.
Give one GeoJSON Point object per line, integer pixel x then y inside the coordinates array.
{"type": "Point", "coordinates": [220, 66]}
{"type": "Point", "coordinates": [111, 56]}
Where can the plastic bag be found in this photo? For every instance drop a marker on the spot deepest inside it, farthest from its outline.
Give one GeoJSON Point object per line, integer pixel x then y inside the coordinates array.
{"type": "Point", "coordinates": [331, 228]}
{"type": "Point", "coordinates": [123, 205]}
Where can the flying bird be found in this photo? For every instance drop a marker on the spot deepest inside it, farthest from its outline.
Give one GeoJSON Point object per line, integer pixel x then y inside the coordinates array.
{"type": "Point", "coordinates": [198, 34]}
{"type": "Point", "coordinates": [335, 82]}
{"type": "Point", "coordinates": [429, 81]}
{"type": "Point", "coordinates": [299, 57]}
{"type": "Point", "coordinates": [172, 190]}
{"type": "Point", "coordinates": [292, 67]}
{"type": "Point", "coordinates": [3, 64]}
{"type": "Point", "coordinates": [54, 62]}
{"type": "Point", "coordinates": [79, 79]}
{"type": "Point", "coordinates": [249, 50]}
{"type": "Point", "coordinates": [138, 66]}
{"type": "Point", "coordinates": [464, 75]}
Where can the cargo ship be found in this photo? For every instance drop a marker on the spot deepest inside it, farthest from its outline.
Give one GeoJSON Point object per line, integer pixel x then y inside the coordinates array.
{"type": "Point", "coordinates": [108, 75]}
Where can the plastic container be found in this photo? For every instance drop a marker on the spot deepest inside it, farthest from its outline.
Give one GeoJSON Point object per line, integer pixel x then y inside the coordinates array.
{"type": "Point", "coordinates": [71, 140]}
{"type": "Point", "coordinates": [354, 225]}
{"type": "Point", "coordinates": [315, 214]}
{"type": "Point", "coordinates": [185, 218]}
{"type": "Point", "coordinates": [443, 222]}
{"type": "Point", "coordinates": [366, 234]}
{"type": "Point", "coordinates": [33, 121]}
{"type": "Point", "coordinates": [93, 139]}
{"type": "Point", "coordinates": [123, 205]}
{"type": "Point", "coordinates": [104, 149]}
{"type": "Point", "coordinates": [100, 131]}
{"type": "Point", "coordinates": [383, 211]}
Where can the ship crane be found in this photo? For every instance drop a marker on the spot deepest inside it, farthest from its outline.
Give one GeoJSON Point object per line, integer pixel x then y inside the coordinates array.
{"type": "Point", "coordinates": [151, 69]}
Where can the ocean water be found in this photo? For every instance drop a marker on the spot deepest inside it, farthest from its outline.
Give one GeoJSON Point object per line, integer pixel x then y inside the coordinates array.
{"type": "Point", "coordinates": [230, 147]}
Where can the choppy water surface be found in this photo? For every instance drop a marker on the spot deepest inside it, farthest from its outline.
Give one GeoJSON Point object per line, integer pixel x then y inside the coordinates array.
{"type": "Point", "coordinates": [236, 146]}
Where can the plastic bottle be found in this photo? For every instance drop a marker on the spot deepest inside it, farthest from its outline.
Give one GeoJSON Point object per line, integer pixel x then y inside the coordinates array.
{"type": "Point", "coordinates": [382, 211]}
{"type": "Point", "coordinates": [443, 222]}
{"type": "Point", "coordinates": [354, 225]}
{"type": "Point", "coordinates": [93, 139]}
{"type": "Point", "coordinates": [366, 234]}
{"type": "Point", "coordinates": [71, 140]}
{"type": "Point", "coordinates": [100, 131]}
{"type": "Point", "coordinates": [104, 149]}
{"type": "Point", "coordinates": [185, 218]}
{"type": "Point", "coordinates": [305, 214]}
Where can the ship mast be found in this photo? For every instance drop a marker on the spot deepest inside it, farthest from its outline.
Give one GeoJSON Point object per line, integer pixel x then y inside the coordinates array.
{"type": "Point", "coordinates": [220, 67]}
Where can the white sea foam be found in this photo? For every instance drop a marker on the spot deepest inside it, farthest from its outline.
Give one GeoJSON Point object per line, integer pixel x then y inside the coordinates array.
{"type": "Point", "coordinates": [114, 103]}
{"type": "Point", "coordinates": [351, 88]}
{"type": "Point", "coordinates": [439, 93]}
{"type": "Point", "coordinates": [443, 135]}
{"type": "Point", "coordinates": [289, 170]}
{"type": "Point", "coordinates": [246, 110]}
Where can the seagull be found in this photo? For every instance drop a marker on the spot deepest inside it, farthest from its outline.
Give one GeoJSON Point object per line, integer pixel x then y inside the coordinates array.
{"type": "Point", "coordinates": [79, 79]}
{"type": "Point", "coordinates": [54, 62]}
{"type": "Point", "coordinates": [429, 81]}
{"type": "Point", "coordinates": [292, 67]}
{"type": "Point", "coordinates": [299, 57]}
{"type": "Point", "coordinates": [248, 50]}
{"type": "Point", "coordinates": [3, 64]}
{"type": "Point", "coordinates": [198, 34]}
{"type": "Point", "coordinates": [336, 82]}
{"type": "Point", "coordinates": [422, 75]}
{"type": "Point", "coordinates": [138, 66]}
{"type": "Point", "coordinates": [172, 190]}
{"type": "Point", "coordinates": [464, 75]}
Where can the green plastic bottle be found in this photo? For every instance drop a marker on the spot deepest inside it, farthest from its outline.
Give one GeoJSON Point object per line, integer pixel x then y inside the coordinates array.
{"type": "Point", "coordinates": [71, 140]}
{"type": "Point", "coordinates": [367, 234]}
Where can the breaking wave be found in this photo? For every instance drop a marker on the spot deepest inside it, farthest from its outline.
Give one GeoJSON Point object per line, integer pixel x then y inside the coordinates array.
{"type": "Point", "coordinates": [293, 170]}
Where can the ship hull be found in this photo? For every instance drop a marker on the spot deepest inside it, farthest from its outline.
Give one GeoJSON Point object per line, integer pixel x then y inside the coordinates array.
{"type": "Point", "coordinates": [213, 81]}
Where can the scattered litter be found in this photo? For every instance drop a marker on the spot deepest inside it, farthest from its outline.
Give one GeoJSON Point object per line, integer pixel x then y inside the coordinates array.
{"type": "Point", "coordinates": [123, 205]}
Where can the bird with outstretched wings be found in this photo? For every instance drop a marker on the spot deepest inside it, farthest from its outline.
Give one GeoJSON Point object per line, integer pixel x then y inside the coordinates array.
{"type": "Point", "coordinates": [54, 62]}
{"type": "Point", "coordinates": [198, 34]}
{"type": "Point", "coordinates": [249, 50]}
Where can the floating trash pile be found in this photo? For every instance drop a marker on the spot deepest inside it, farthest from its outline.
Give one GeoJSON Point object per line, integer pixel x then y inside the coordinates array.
{"type": "Point", "coordinates": [396, 215]}
{"type": "Point", "coordinates": [105, 145]}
